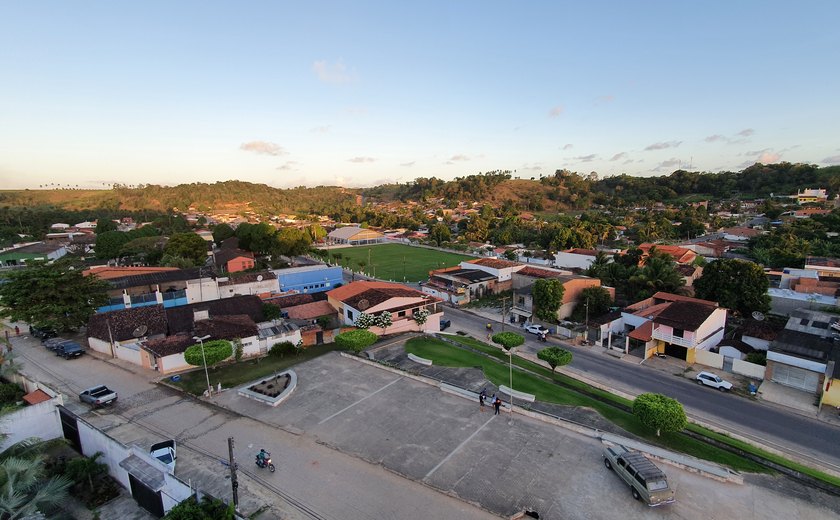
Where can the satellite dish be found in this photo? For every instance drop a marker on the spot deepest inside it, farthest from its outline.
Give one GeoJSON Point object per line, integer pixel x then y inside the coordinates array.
{"type": "Point", "coordinates": [141, 330]}
{"type": "Point", "coordinates": [757, 316]}
{"type": "Point", "coordinates": [259, 278]}
{"type": "Point", "coordinates": [363, 304]}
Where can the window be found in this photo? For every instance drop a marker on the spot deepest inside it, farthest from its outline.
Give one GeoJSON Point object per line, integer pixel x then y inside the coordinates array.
{"type": "Point", "coordinates": [819, 324]}
{"type": "Point", "coordinates": [401, 314]}
{"type": "Point", "coordinates": [678, 333]}
{"type": "Point", "coordinates": [349, 314]}
{"type": "Point", "coordinates": [640, 480]}
{"type": "Point", "coordinates": [521, 300]}
{"type": "Point", "coordinates": [804, 321]}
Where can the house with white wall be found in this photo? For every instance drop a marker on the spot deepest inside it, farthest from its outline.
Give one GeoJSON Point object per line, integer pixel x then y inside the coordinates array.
{"type": "Point", "coordinates": [375, 298]}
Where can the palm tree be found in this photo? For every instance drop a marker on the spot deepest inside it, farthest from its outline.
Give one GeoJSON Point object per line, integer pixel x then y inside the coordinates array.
{"type": "Point", "coordinates": [24, 490]}
{"type": "Point", "coordinates": [86, 468]}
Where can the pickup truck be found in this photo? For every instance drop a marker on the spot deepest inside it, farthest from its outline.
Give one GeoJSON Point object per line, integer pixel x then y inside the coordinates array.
{"type": "Point", "coordinates": [647, 482]}
{"type": "Point", "coordinates": [98, 396]}
{"type": "Point", "coordinates": [165, 452]}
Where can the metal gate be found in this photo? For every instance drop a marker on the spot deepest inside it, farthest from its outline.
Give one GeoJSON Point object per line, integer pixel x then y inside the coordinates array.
{"type": "Point", "coordinates": [145, 497]}
{"type": "Point", "coordinates": [796, 377]}
{"type": "Point", "coordinates": [70, 428]}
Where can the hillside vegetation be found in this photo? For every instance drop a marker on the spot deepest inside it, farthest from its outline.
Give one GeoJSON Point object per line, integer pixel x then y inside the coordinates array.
{"type": "Point", "coordinates": [560, 191]}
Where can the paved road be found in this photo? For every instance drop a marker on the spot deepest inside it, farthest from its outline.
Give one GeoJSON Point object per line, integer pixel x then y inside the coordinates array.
{"type": "Point", "coordinates": [324, 484]}
{"type": "Point", "coordinates": [774, 426]}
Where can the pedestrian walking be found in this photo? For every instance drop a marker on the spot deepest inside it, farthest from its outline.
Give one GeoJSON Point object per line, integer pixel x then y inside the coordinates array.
{"type": "Point", "coordinates": [497, 404]}
{"type": "Point", "coordinates": [17, 330]}
{"type": "Point", "coordinates": [481, 397]}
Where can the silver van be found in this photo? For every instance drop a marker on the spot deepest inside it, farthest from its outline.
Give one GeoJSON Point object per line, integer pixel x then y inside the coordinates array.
{"type": "Point", "coordinates": [647, 482]}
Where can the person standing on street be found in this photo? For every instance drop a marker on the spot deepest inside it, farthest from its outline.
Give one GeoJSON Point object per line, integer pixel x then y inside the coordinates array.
{"type": "Point", "coordinates": [481, 397]}
{"type": "Point", "coordinates": [497, 404]}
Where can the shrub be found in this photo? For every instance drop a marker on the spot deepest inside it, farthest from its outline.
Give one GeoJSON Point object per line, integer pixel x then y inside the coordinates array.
{"type": "Point", "coordinates": [759, 358]}
{"type": "Point", "coordinates": [10, 393]}
{"type": "Point", "coordinates": [214, 351]}
{"type": "Point", "coordinates": [281, 349]}
{"type": "Point", "coordinates": [365, 321]}
{"type": "Point", "coordinates": [356, 340]}
{"type": "Point", "coordinates": [508, 340]}
{"type": "Point", "coordinates": [238, 349]}
{"type": "Point", "coordinates": [660, 413]}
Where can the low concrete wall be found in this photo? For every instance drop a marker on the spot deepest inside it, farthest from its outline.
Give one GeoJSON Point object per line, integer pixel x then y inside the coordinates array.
{"type": "Point", "coordinates": [94, 440]}
{"type": "Point", "coordinates": [709, 359]}
{"type": "Point", "coordinates": [519, 396]}
{"type": "Point", "coordinates": [418, 359]}
{"type": "Point", "coordinates": [39, 420]}
{"type": "Point", "coordinates": [748, 369]}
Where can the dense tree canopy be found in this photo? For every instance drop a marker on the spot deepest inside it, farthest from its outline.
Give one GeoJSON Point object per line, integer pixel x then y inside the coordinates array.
{"type": "Point", "coordinates": [188, 246]}
{"type": "Point", "coordinates": [547, 295]}
{"type": "Point", "coordinates": [508, 339]}
{"type": "Point", "coordinates": [53, 295]}
{"type": "Point", "coordinates": [660, 413]}
{"type": "Point", "coordinates": [599, 302]}
{"type": "Point", "coordinates": [735, 284]}
{"type": "Point", "coordinates": [555, 357]}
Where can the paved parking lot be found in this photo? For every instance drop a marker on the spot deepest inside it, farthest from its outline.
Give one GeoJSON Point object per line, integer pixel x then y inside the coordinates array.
{"type": "Point", "coordinates": [504, 465]}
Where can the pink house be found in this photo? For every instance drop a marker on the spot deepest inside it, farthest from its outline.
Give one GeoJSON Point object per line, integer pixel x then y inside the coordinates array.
{"type": "Point", "coordinates": [376, 298]}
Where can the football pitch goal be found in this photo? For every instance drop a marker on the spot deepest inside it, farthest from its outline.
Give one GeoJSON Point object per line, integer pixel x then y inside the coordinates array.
{"type": "Point", "coordinates": [395, 262]}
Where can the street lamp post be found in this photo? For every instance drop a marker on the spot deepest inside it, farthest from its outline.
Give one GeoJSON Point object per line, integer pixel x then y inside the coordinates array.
{"type": "Point", "coordinates": [510, 369]}
{"type": "Point", "coordinates": [204, 358]}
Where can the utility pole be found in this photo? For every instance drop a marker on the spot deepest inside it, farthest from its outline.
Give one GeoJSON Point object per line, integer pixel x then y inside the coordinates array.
{"type": "Point", "coordinates": [234, 484]}
{"type": "Point", "coordinates": [504, 307]}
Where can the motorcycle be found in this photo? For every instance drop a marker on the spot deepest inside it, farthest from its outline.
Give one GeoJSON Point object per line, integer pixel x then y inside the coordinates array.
{"type": "Point", "coordinates": [265, 462]}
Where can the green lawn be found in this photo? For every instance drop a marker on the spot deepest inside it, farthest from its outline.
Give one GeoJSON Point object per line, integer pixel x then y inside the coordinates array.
{"type": "Point", "coordinates": [397, 262]}
{"type": "Point", "coordinates": [239, 373]}
{"type": "Point", "coordinates": [545, 390]}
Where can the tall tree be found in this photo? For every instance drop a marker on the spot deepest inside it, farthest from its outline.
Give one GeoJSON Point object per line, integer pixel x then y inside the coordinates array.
{"type": "Point", "coordinates": [293, 242]}
{"type": "Point", "coordinates": [105, 224]}
{"type": "Point", "coordinates": [222, 232]}
{"type": "Point", "coordinates": [547, 295]}
{"type": "Point", "coordinates": [735, 284]}
{"type": "Point", "coordinates": [658, 274]}
{"type": "Point", "coordinates": [189, 246]}
{"type": "Point", "coordinates": [660, 413]}
{"type": "Point", "coordinates": [440, 233]}
{"type": "Point", "coordinates": [109, 243]}
{"type": "Point", "coordinates": [597, 298]}
{"type": "Point", "coordinates": [53, 295]}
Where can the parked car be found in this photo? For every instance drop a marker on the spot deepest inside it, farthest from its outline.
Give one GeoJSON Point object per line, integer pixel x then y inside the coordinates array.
{"type": "Point", "coordinates": [647, 482]}
{"type": "Point", "coordinates": [42, 333]}
{"type": "Point", "coordinates": [165, 452]}
{"type": "Point", "coordinates": [536, 329]}
{"type": "Point", "coordinates": [69, 349]}
{"type": "Point", "coordinates": [709, 379]}
{"type": "Point", "coordinates": [53, 343]}
{"type": "Point", "coordinates": [98, 396]}
{"type": "Point", "coordinates": [444, 324]}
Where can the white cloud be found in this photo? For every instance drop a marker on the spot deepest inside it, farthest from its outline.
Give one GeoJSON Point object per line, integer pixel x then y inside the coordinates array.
{"type": "Point", "coordinates": [768, 157]}
{"type": "Point", "coordinates": [568, 146]}
{"type": "Point", "coordinates": [556, 111]}
{"type": "Point", "coordinates": [361, 159]}
{"type": "Point", "coordinates": [336, 73]}
{"type": "Point", "coordinates": [459, 157]}
{"type": "Point", "coordinates": [620, 155]}
{"type": "Point", "coordinates": [715, 138]}
{"type": "Point", "coordinates": [663, 145]}
{"type": "Point", "coordinates": [746, 132]}
{"type": "Point", "coordinates": [408, 164]}
{"type": "Point", "coordinates": [320, 129]}
{"type": "Point", "coordinates": [586, 158]}
{"type": "Point", "coordinates": [264, 148]}
{"type": "Point", "coordinates": [834, 159]}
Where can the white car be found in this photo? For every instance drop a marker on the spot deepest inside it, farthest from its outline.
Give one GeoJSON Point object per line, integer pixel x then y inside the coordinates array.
{"type": "Point", "coordinates": [165, 452]}
{"type": "Point", "coordinates": [536, 329]}
{"type": "Point", "coordinates": [709, 379]}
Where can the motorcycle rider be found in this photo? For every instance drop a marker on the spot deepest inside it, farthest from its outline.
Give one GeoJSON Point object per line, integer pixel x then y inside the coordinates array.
{"type": "Point", "coordinates": [262, 457]}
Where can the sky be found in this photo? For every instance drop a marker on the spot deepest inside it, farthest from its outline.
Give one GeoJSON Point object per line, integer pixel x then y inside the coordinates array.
{"type": "Point", "coordinates": [364, 93]}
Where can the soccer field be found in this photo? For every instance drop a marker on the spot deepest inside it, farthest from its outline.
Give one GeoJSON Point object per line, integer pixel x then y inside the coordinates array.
{"type": "Point", "coordinates": [397, 262]}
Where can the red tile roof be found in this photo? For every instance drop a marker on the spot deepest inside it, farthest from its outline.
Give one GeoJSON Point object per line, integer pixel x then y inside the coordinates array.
{"type": "Point", "coordinates": [108, 272]}
{"type": "Point", "coordinates": [494, 263]}
{"type": "Point", "coordinates": [354, 288]}
{"type": "Point", "coordinates": [644, 332]}
{"type": "Point", "coordinates": [535, 272]}
{"type": "Point", "coordinates": [310, 311]}
{"type": "Point", "coordinates": [680, 254]}
{"type": "Point", "coordinates": [36, 396]}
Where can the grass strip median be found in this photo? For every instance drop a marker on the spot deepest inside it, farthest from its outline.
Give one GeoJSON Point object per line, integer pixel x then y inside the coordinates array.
{"type": "Point", "coordinates": [539, 384]}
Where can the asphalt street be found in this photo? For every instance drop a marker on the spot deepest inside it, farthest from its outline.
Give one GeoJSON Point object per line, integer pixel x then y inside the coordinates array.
{"type": "Point", "coordinates": [775, 426]}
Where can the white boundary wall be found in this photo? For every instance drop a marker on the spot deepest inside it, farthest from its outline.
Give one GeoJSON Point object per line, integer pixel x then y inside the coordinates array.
{"type": "Point", "coordinates": [748, 369]}
{"type": "Point", "coordinates": [709, 359]}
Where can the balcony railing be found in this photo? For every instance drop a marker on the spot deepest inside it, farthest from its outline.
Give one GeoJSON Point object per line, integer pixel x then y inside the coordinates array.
{"type": "Point", "coordinates": [174, 295]}
{"type": "Point", "coordinates": [670, 338]}
{"type": "Point", "coordinates": [139, 299]}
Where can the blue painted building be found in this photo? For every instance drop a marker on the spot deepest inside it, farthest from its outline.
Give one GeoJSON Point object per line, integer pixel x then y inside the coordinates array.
{"type": "Point", "coordinates": [309, 278]}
